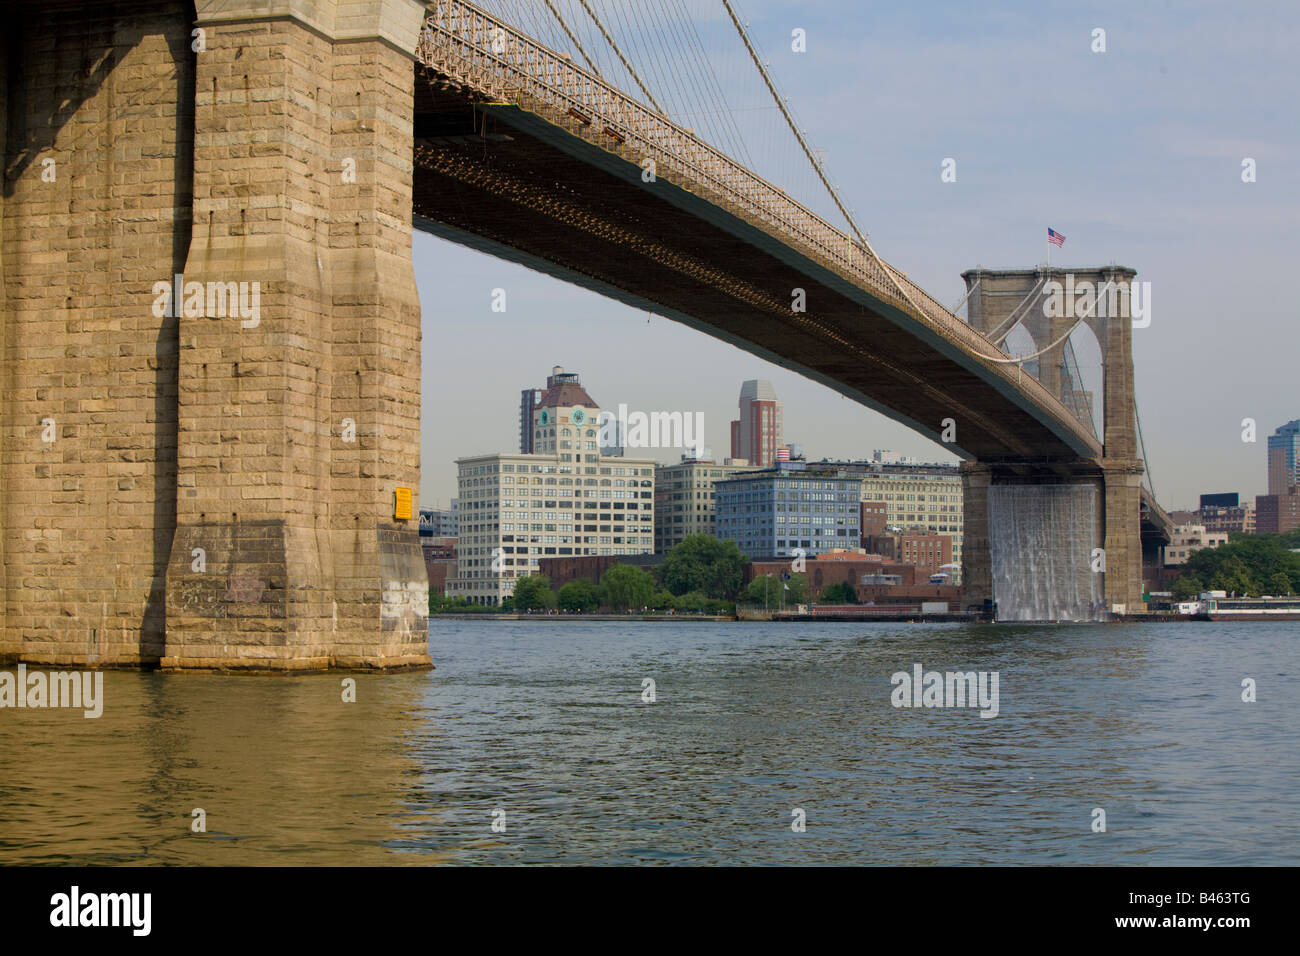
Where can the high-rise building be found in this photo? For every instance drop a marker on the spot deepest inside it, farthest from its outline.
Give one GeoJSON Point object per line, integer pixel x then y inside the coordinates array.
{"type": "Point", "coordinates": [528, 400]}
{"type": "Point", "coordinates": [1276, 514]}
{"type": "Point", "coordinates": [1284, 458]}
{"type": "Point", "coordinates": [439, 562]}
{"type": "Point", "coordinates": [563, 390]}
{"type": "Point", "coordinates": [875, 518]}
{"type": "Point", "coordinates": [791, 506]}
{"type": "Point", "coordinates": [758, 432]}
{"type": "Point", "coordinates": [684, 499]}
{"type": "Point", "coordinates": [561, 387]}
{"type": "Point", "coordinates": [564, 498]}
{"type": "Point", "coordinates": [440, 522]}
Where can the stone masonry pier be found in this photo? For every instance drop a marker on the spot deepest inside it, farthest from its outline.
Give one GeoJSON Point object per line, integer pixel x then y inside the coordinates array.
{"type": "Point", "coordinates": [204, 476]}
{"type": "Point", "coordinates": [995, 297]}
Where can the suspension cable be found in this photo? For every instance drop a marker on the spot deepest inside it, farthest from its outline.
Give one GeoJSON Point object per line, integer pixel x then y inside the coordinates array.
{"type": "Point", "coordinates": [969, 293]}
{"type": "Point", "coordinates": [619, 53]}
{"type": "Point", "coordinates": [1072, 358]}
{"type": "Point", "coordinates": [1006, 360]}
{"type": "Point", "coordinates": [572, 39]}
{"type": "Point", "coordinates": [1009, 323]}
{"type": "Point", "coordinates": [1151, 484]}
{"type": "Point", "coordinates": [1022, 358]}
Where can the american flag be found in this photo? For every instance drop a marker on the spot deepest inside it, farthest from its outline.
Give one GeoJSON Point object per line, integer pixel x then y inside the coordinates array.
{"type": "Point", "coordinates": [1055, 238]}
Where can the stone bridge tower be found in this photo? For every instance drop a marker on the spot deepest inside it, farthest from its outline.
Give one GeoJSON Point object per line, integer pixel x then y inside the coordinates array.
{"type": "Point", "coordinates": [1049, 302]}
{"type": "Point", "coordinates": [210, 366]}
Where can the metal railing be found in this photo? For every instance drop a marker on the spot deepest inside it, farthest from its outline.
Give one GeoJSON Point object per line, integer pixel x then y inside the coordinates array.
{"type": "Point", "coordinates": [481, 52]}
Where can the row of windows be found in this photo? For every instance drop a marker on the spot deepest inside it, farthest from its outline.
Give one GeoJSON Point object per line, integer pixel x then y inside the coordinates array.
{"type": "Point", "coordinates": [621, 496]}
{"type": "Point", "coordinates": [491, 503]}
{"type": "Point", "coordinates": [590, 482]}
{"type": "Point", "coordinates": [469, 471]}
{"type": "Point", "coordinates": [878, 496]}
{"type": "Point", "coordinates": [804, 484]}
{"type": "Point", "coordinates": [564, 433]}
{"type": "Point", "coordinates": [670, 475]}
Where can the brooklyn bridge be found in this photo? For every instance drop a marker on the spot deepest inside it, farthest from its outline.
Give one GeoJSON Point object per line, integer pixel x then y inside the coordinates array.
{"type": "Point", "coordinates": [207, 214]}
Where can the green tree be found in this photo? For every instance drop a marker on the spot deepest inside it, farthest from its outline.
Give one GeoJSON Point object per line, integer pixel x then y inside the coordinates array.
{"type": "Point", "coordinates": [533, 593]}
{"type": "Point", "coordinates": [1234, 577]}
{"type": "Point", "coordinates": [663, 600]}
{"type": "Point", "coordinates": [840, 593]}
{"type": "Point", "coordinates": [1259, 556]}
{"type": "Point", "coordinates": [692, 601]}
{"type": "Point", "coordinates": [1186, 589]}
{"type": "Point", "coordinates": [762, 590]}
{"type": "Point", "coordinates": [627, 586]}
{"type": "Point", "coordinates": [1280, 583]}
{"type": "Point", "coordinates": [579, 595]}
{"type": "Point", "coordinates": [704, 563]}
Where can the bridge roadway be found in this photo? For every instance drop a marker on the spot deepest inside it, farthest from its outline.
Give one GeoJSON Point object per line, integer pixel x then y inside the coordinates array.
{"type": "Point", "coordinates": [521, 154]}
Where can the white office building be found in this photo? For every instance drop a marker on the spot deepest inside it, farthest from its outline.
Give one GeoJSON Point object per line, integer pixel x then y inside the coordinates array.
{"type": "Point", "coordinates": [564, 499]}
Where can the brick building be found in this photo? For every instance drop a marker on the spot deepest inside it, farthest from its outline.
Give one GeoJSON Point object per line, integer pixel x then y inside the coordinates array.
{"type": "Point", "coordinates": [591, 566]}
{"type": "Point", "coordinates": [1275, 514]}
{"type": "Point", "coordinates": [927, 552]}
{"type": "Point", "coordinates": [873, 520]}
{"type": "Point", "coordinates": [439, 561]}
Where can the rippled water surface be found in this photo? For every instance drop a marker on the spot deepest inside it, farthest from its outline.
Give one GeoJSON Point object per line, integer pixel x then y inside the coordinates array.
{"type": "Point", "coordinates": [545, 720]}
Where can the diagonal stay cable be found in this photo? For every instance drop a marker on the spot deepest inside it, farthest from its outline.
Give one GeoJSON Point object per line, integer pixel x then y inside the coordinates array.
{"type": "Point", "coordinates": [1009, 323]}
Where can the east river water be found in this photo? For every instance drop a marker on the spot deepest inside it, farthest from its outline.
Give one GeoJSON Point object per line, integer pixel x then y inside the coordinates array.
{"type": "Point", "coordinates": [546, 721]}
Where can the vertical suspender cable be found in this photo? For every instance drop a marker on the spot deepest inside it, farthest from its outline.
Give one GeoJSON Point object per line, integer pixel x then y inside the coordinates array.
{"type": "Point", "coordinates": [572, 39]}
{"type": "Point", "coordinates": [619, 53]}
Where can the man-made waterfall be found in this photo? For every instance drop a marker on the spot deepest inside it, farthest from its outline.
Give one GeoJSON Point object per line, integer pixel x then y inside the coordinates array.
{"type": "Point", "coordinates": [1042, 538]}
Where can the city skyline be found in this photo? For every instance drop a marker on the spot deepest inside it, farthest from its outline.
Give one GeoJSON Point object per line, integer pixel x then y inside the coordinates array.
{"type": "Point", "coordinates": [818, 447]}
{"type": "Point", "coordinates": [1134, 154]}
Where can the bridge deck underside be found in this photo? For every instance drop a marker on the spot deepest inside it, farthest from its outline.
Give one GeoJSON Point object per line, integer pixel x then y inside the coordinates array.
{"type": "Point", "coordinates": [503, 189]}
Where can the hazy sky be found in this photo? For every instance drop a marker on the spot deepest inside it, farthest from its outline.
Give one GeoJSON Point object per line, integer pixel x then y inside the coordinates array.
{"type": "Point", "coordinates": [1134, 154]}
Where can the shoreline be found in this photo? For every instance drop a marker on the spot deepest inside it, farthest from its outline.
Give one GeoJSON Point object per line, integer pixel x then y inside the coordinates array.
{"type": "Point", "coordinates": [1140, 618]}
{"type": "Point", "coordinates": [513, 616]}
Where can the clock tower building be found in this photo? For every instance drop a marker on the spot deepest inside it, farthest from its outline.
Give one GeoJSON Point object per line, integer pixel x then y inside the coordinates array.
{"type": "Point", "coordinates": [566, 420]}
{"type": "Point", "coordinates": [560, 496]}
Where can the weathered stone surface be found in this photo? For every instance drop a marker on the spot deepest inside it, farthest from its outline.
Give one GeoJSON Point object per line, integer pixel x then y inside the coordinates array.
{"type": "Point", "coordinates": [197, 506]}
{"type": "Point", "coordinates": [312, 201]}
{"type": "Point", "coordinates": [103, 92]}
